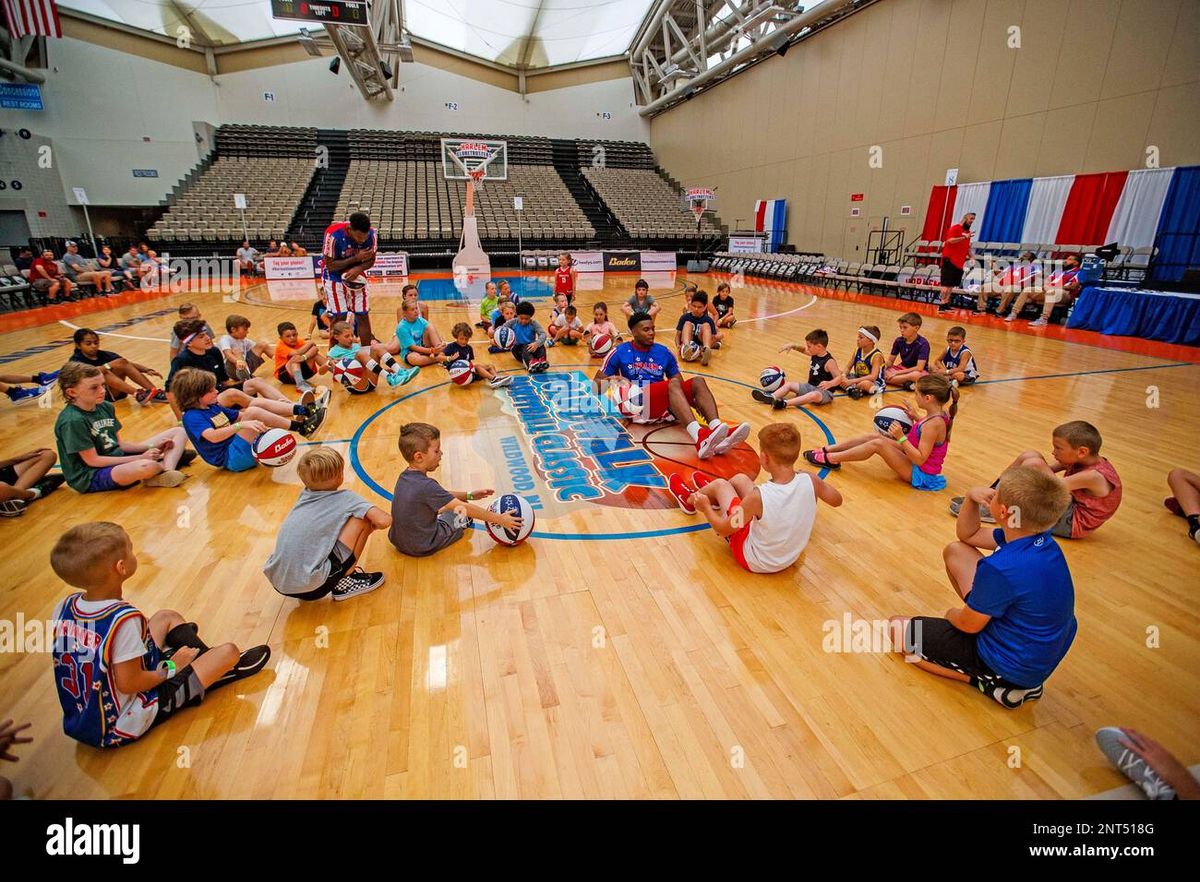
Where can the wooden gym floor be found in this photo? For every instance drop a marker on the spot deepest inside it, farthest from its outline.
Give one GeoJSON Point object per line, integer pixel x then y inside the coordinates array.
{"type": "Point", "coordinates": [616, 654]}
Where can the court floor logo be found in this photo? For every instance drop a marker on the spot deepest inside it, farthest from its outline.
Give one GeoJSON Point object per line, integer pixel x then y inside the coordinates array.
{"type": "Point", "coordinates": [570, 449]}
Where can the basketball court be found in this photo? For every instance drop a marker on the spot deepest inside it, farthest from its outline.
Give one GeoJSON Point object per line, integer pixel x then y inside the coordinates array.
{"type": "Point", "coordinates": [620, 652]}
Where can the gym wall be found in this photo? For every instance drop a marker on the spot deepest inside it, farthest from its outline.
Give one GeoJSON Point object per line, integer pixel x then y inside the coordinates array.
{"type": "Point", "coordinates": [934, 85]}
{"type": "Point", "coordinates": [110, 111]}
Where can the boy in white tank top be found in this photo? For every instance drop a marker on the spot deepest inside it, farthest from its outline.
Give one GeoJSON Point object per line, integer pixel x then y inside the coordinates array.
{"type": "Point", "coordinates": [767, 525]}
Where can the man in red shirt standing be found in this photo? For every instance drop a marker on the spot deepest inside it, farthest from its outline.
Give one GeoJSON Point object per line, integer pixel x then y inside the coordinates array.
{"type": "Point", "coordinates": [956, 251]}
{"type": "Point", "coordinates": [45, 277]}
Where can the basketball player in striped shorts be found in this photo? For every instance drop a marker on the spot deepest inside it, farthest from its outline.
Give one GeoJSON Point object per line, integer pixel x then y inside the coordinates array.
{"type": "Point", "coordinates": [349, 252]}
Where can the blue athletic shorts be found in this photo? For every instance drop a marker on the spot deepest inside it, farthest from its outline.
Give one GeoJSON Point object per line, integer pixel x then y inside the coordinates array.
{"type": "Point", "coordinates": [102, 481]}
{"type": "Point", "coordinates": [923, 481]}
{"type": "Point", "coordinates": [240, 455]}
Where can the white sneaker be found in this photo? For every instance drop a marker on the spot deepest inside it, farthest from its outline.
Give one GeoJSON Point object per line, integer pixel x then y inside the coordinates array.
{"type": "Point", "coordinates": [1011, 317]}
{"type": "Point", "coordinates": [500, 381]}
{"type": "Point", "coordinates": [1039, 323]}
{"type": "Point", "coordinates": [710, 439]}
{"type": "Point", "coordinates": [736, 437]}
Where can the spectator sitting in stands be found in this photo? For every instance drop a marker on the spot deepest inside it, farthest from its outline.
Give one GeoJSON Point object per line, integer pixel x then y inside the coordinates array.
{"type": "Point", "coordinates": [111, 264]}
{"type": "Point", "coordinates": [298, 250]}
{"type": "Point", "coordinates": [47, 278]}
{"type": "Point", "coordinates": [1058, 287]}
{"type": "Point", "coordinates": [131, 265]}
{"type": "Point", "coordinates": [284, 250]}
{"type": "Point", "coordinates": [24, 261]}
{"type": "Point", "coordinates": [247, 257]}
{"type": "Point", "coordinates": [1012, 280]}
{"type": "Point", "coordinates": [81, 271]}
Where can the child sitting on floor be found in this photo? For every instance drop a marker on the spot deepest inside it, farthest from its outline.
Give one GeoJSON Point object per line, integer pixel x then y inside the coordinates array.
{"type": "Point", "coordinates": [767, 525]}
{"type": "Point", "coordinates": [323, 537]}
{"type": "Point", "coordinates": [119, 673]}
{"type": "Point", "coordinates": [916, 456]}
{"type": "Point", "coordinates": [425, 516]}
{"type": "Point", "coordinates": [1018, 615]}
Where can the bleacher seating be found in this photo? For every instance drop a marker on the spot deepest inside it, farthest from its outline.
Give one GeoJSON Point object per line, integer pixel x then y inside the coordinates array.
{"type": "Point", "coordinates": [411, 199]}
{"type": "Point", "coordinates": [205, 210]}
{"type": "Point", "coordinates": [645, 204]}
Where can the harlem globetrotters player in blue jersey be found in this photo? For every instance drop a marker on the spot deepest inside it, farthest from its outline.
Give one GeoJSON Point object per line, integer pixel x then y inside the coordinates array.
{"type": "Point", "coordinates": [349, 251]}
{"type": "Point", "coordinates": [666, 395]}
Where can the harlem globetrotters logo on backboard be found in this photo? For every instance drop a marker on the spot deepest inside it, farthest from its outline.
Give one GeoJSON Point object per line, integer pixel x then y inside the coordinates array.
{"type": "Point", "coordinates": [570, 448]}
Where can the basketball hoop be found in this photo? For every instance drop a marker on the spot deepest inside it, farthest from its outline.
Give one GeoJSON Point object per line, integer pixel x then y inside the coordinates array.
{"type": "Point", "coordinates": [473, 160]}
{"type": "Point", "coordinates": [698, 200]}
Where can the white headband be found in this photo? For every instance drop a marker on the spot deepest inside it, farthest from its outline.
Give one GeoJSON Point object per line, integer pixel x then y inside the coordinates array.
{"type": "Point", "coordinates": [868, 335]}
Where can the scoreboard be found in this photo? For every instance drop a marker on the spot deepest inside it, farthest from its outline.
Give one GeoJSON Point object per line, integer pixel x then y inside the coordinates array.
{"type": "Point", "coordinates": [344, 12]}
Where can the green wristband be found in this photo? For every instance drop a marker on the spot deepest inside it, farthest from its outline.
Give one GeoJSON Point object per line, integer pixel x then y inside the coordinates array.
{"type": "Point", "coordinates": [169, 666]}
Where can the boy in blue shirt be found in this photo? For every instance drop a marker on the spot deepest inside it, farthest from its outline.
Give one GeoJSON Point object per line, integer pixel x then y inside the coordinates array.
{"type": "Point", "coordinates": [225, 437]}
{"type": "Point", "coordinates": [530, 348]}
{"type": "Point", "coordinates": [1018, 617]}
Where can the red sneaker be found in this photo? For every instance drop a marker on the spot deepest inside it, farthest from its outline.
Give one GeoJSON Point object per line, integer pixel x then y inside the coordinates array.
{"type": "Point", "coordinates": [736, 437]}
{"type": "Point", "coordinates": [710, 439]}
{"type": "Point", "coordinates": [700, 479]}
{"type": "Point", "coordinates": [682, 492]}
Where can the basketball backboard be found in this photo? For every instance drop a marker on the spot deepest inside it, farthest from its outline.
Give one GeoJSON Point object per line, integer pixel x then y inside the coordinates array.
{"type": "Point", "coordinates": [698, 200]}
{"type": "Point", "coordinates": [462, 156]}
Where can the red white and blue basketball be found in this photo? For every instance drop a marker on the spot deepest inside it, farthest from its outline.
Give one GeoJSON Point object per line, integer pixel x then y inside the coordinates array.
{"type": "Point", "coordinates": [511, 503]}
{"type": "Point", "coordinates": [629, 399]}
{"type": "Point", "coordinates": [506, 338]}
{"type": "Point", "coordinates": [771, 378]}
{"type": "Point", "coordinates": [349, 372]}
{"type": "Point", "coordinates": [885, 416]}
{"type": "Point", "coordinates": [600, 344]}
{"type": "Point", "coordinates": [461, 372]}
{"type": "Point", "coordinates": [274, 447]}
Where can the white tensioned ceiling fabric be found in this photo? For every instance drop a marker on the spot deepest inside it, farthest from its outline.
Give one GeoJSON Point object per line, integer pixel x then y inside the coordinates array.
{"type": "Point", "coordinates": [536, 33]}
{"type": "Point", "coordinates": [971, 197]}
{"type": "Point", "coordinates": [1047, 199]}
{"type": "Point", "coordinates": [1135, 220]}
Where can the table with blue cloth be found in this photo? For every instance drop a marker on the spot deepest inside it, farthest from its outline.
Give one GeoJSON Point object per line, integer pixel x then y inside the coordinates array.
{"type": "Point", "coordinates": [1152, 315]}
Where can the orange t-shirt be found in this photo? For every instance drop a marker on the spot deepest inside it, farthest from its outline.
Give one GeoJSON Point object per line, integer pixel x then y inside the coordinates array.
{"type": "Point", "coordinates": [283, 352]}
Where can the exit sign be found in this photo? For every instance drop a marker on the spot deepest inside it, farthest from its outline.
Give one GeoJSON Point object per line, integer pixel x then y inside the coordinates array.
{"type": "Point", "coordinates": [856, 197]}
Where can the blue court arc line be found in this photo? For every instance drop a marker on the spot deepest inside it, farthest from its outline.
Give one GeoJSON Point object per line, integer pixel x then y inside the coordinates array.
{"type": "Point", "coordinates": [367, 479]}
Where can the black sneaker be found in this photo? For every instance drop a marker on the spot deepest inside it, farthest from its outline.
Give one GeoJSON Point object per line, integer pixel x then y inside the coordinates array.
{"type": "Point", "coordinates": [716, 345]}
{"type": "Point", "coordinates": [761, 396]}
{"type": "Point", "coordinates": [778, 404]}
{"type": "Point", "coordinates": [312, 424]}
{"type": "Point", "coordinates": [942, 307]}
{"type": "Point", "coordinates": [855, 393]}
{"type": "Point", "coordinates": [49, 484]}
{"type": "Point", "coordinates": [356, 583]}
{"type": "Point", "coordinates": [187, 458]}
{"type": "Point", "coordinates": [250, 662]}
{"type": "Point", "coordinates": [1012, 697]}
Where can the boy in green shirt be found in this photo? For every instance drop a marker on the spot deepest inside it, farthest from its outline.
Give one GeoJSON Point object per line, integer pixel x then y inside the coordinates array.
{"type": "Point", "coordinates": [93, 456]}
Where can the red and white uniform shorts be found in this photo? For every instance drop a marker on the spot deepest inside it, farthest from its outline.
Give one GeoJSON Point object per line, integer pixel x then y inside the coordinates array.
{"type": "Point", "coordinates": [342, 298]}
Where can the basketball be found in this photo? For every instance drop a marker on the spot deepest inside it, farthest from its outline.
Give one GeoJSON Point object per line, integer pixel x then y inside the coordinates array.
{"type": "Point", "coordinates": [771, 378]}
{"type": "Point", "coordinates": [600, 344]}
{"type": "Point", "coordinates": [511, 503]}
{"type": "Point", "coordinates": [628, 400]}
{"type": "Point", "coordinates": [505, 338]}
{"type": "Point", "coordinates": [888, 415]}
{"type": "Point", "coordinates": [275, 447]}
{"type": "Point", "coordinates": [349, 372]}
{"type": "Point", "coordinates": [461, 372]}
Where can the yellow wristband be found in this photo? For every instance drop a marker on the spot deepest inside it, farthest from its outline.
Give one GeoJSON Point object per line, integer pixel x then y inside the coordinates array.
{"type": "Point", "coordinates": [901, 441]}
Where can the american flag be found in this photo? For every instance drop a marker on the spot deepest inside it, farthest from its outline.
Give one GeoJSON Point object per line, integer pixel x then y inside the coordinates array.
{"type": "Point", "coordinates": [25, 17]}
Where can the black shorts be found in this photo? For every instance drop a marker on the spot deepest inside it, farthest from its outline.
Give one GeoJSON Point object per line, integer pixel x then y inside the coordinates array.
{"type": "Point", "coordinates": [952, 275]}
{"type": "Point", "coordinates": [1062, 529]}
{"type": "Point", "coordinates": [939, 642]}
{"type": "Point", "coordinates": [8, 475]}
{"type": "Point", "coordinates": [307, 372]}
{"type": "Point", "coordinates": [182, 690]}
{"type": "Point", "coordinates": [341, 561]}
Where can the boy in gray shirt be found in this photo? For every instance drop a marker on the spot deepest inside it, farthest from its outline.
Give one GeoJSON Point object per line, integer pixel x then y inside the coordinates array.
{"type": "Point", "coordinates": [324, 535]}
{"type": "Point", "coordinates": [426, 517]}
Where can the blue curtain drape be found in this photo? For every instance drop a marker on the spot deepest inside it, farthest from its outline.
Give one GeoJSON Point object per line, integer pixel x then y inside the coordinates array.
{"type": "Point", "coordinates": [1004, 217]}
{"type": "Point", "coordinates": [1178, 238]}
